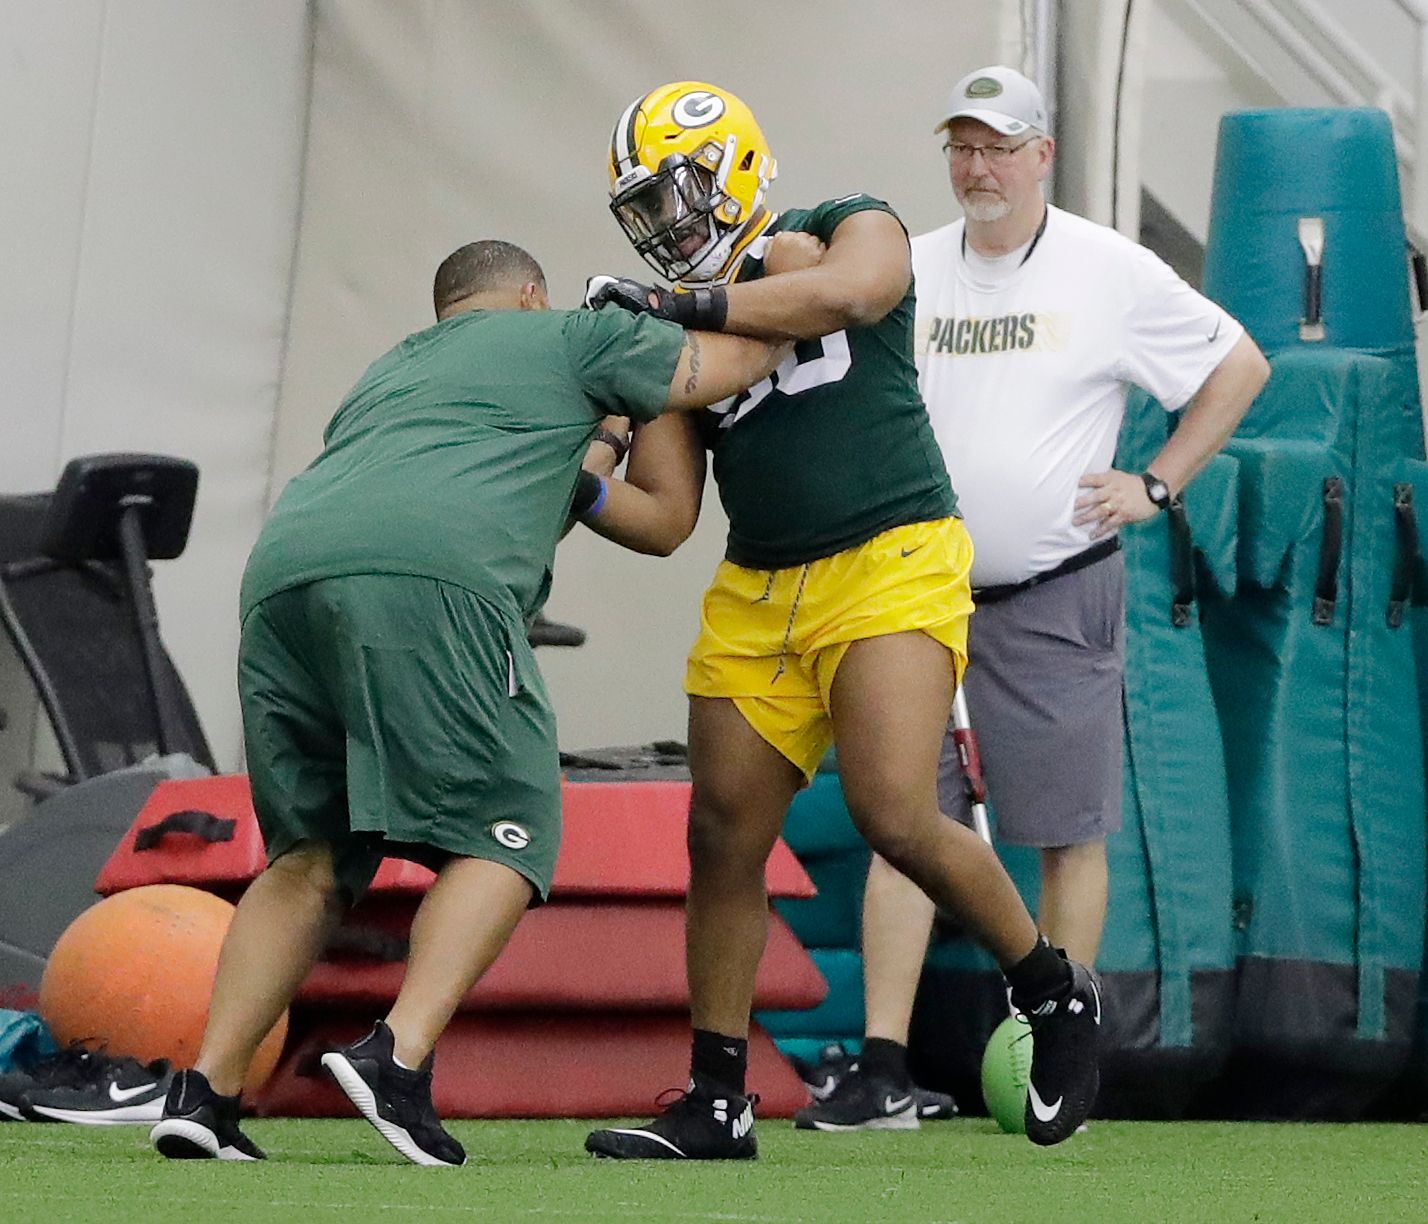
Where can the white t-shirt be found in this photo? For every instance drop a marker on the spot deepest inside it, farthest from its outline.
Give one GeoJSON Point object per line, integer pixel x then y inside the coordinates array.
{"type": "Point", "coordinates": [1025, 363]}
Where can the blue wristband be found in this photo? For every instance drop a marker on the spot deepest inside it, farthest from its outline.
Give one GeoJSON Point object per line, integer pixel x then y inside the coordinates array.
{"type": "Point", "coordinates": [599, 503]}
{"type": "Point", "coordinates": [589, 496]}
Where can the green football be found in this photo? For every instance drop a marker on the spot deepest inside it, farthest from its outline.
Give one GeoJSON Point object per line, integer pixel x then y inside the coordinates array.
{"type": "Point", "coordinates": [1006, 1071]}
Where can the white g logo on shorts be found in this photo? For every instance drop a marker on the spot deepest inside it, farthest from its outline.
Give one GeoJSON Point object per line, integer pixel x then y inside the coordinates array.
{"type": "Point", "coordinates": [511, 835]}
{"type": "Point", "coordinates": [698, 109]}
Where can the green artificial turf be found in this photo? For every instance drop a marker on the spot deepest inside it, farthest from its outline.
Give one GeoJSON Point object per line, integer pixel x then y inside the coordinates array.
{"type": "Point", "coordinates": [1149, 1173]}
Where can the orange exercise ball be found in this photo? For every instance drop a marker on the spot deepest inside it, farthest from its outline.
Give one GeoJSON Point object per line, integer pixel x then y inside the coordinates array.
{"type": "Point", "coordinates": [134, 974]}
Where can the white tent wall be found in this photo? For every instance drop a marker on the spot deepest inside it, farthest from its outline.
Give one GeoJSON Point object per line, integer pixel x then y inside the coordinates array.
{"type": "Point", "coordinates": [1101, 75]}
{"type": "Point", "coordinates": [152, 162]}
{"type": "Point", "coordinates": [435, 122]}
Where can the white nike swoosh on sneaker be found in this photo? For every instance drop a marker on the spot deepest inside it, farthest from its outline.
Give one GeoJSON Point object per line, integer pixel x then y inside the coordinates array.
{"type": "Point", "coordinates": [119, 1095]}
{"type": "Point", "coordinates": [1043, 1111]}
{"type": "Point", "coordinates": [821, 1092]}
{"type": "Point", "coordinates": [896, 1106]}
{"type": "Point", "coordinates": [1096, 993]}
{"type": "Point", "coordinates": [644, 1134]}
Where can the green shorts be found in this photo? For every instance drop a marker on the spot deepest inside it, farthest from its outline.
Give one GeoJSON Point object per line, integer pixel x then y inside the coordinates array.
{"type": "Point", "coordinates": [394, 715]}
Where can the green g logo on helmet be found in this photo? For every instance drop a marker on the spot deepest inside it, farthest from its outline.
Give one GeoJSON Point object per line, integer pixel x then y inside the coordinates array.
{"type": "Point", "coordinates": [984, 87]}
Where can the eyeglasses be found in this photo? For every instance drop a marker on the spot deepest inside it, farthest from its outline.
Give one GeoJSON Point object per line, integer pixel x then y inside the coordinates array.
{"type": "Point", "coordinates": [994, 154]}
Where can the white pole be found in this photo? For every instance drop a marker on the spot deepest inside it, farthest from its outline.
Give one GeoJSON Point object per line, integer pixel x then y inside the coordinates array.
{"type": "Point", "coordinates": [1418, 208]}
{"type": "Point", "coordinates": [962, 725]}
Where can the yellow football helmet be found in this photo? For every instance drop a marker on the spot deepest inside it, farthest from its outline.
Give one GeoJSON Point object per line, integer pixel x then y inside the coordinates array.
{"type": "Point", "coordinates": [688, 171]}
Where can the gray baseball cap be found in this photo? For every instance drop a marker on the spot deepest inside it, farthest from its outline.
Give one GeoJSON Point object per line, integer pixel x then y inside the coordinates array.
{"type": "Point", "coordinates": [999, 97]}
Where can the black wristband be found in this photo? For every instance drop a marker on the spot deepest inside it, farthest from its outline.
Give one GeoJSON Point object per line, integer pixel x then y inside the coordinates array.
{"type": "Point", "coordinates": [621, 446]}
{"type": "Point", "coordinates": [700, 309]}
{"type": "Point", "coordinates": [588, 488]}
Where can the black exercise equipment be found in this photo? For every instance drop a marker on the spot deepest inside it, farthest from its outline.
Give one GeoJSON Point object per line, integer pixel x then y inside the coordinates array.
{"type": "Point", "coordinates": [77, 605]}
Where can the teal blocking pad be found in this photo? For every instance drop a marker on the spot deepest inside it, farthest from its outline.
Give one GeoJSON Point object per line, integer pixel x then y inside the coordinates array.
{"type": "Point", "coordinates": [840, 1013]}
{"type": "Point", "coordinates": [833, 918]}
{"type": "Point", "coordinates": [818, 822]}
{"type": "Point", "coordinates": [1321, 721]}
{"type": "Point", "coordinates": [1339, 164]}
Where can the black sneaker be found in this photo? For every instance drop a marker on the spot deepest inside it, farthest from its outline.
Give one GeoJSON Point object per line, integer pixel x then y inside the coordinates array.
{"type": "Point", "coordinates": [393, 1099]}
{"type": "Point", "coordinates": [198, 1124]}
{"type": "Point", "coordinates": [822, 1078]}
{"type": "Point", "coordinates": [933, 1106]}
{"type": "Point", "coordinates": [70, 1066]}
{"type": "Point", "coordinates": [705, 1122]}
{"type": "Point", "coordinates": [862, 1101]}
{"type": "Point", "coordinates": [1065, 1060]}
{"type": "Point", "coordinates": [110, 1092]}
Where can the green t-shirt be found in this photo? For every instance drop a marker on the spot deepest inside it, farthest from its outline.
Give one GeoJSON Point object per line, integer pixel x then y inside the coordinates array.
{"type": "Point", "coordinates": [455, 455]}
{"type": "Point", "coordinates": [836, 446]}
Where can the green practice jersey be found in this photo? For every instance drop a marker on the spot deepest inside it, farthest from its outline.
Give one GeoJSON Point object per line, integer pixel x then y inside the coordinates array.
{"type": "Point", "coordinates": [835, 446]}
{"type": "Point", "coordinates": [455, 456]}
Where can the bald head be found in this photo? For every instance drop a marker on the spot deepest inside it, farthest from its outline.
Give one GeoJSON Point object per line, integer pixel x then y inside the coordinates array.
{"type": "Point", "coordinates": [496, 274]}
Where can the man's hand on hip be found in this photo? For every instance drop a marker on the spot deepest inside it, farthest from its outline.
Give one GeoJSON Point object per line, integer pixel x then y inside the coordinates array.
{"type": "Point", "coordinates": [1110, 500]}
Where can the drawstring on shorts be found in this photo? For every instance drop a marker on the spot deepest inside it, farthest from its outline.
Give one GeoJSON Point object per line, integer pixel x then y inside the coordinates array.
{"type": "Point", "coordinates": [792, 613]}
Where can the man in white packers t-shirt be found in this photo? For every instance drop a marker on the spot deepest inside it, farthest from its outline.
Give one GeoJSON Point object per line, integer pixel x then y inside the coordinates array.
{"type": "Point", "coordinates": [1032, 326]}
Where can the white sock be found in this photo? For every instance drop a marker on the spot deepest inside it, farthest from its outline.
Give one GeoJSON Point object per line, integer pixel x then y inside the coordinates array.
{"type": "Point", "coordinates": [401, 1064]}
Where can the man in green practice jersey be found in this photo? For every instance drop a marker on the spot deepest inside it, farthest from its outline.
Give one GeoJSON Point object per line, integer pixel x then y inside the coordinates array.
{"type": "Point", "coordinates": [840, 610]}
{"type": "Point", "coordinates": [391, 702]}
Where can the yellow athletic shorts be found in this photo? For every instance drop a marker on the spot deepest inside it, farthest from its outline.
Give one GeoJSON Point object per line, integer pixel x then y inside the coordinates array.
{"type": "Point", "coordinates": [771, 640]}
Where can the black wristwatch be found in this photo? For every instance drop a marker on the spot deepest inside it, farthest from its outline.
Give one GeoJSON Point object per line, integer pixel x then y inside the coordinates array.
{"type": "Point", "coordinates": [621, 446]}
{"type": "Point", "coordinates": [1157, 490]}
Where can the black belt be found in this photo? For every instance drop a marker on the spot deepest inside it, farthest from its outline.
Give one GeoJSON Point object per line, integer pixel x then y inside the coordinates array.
{"type": "Point", "coordinates": [1097, 552]}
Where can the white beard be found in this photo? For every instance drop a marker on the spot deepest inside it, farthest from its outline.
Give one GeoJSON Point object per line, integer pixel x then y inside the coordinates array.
{"type": "Point", "coordinates": [984, 209]}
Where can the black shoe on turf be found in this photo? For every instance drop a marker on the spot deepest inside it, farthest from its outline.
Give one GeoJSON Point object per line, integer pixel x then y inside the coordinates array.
{"type": "Point", "coordinates": [862, 1101]}
{"type": "Point", "coordinates": [1065, 1059]}
{"type": "Point", "coordinates": [395, 1100]}
{"type": "Point", "coordinates": [110, 1092]}
{"type": "Point", "coordinates": [198, 1124]}
{"type": "Point", "coordinates": [71, 1066]}
{"type": "Point", "coordinates": [933, 1106]}
{"type": "Point", "coordinates": [705, 1122]}
{"type": "Point", "coordinates": [822, 1078]}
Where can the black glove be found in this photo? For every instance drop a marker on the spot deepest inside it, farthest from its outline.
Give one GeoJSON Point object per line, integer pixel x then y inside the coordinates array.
{"type": "Point", "coordinates": [621, 291]}
{"type": "Point", "coordinates": [703, 309]}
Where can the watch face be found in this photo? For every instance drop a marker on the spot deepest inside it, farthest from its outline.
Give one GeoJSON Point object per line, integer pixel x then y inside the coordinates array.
{"type": "Point", "coordinates": [1158, 491]}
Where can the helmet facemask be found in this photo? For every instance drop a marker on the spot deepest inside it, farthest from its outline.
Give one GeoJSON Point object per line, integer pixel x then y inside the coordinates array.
{"type": "Point", "coordinates": [670, 216]}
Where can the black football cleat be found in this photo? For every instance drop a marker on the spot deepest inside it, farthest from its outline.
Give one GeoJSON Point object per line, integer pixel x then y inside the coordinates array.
{"type": "Point", "coordinates": [705, 1122]}
{"type": "Point", "coordinates": [1065, 1059]}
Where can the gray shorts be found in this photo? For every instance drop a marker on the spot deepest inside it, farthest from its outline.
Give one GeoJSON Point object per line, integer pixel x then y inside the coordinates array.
{"type": "Point", "coordinates": [1043, 689]}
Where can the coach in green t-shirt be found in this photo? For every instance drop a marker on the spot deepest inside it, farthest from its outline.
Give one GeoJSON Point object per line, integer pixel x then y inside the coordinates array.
{"type": "Point", "coordinates": [391, 703]}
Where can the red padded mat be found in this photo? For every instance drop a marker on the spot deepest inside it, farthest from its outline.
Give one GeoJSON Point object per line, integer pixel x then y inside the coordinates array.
{"type": "Point", "coordinates": [567, 955]}
{"type": "Point", "coordinates": [530, 1066]}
